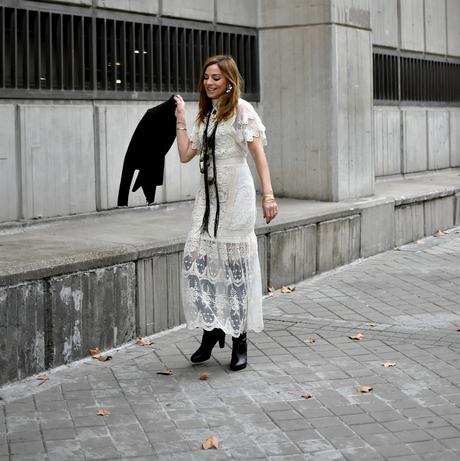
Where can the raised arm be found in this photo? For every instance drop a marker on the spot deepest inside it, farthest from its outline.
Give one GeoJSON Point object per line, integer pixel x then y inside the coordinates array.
{"type": "Point", "coordinates": [184, 145]}
{"type": "Point", "coordinates": [269, 206]}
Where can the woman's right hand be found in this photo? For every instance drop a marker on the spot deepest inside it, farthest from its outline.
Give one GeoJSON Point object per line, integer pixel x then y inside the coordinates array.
{"type": "Point", "coordinates": [180, 107]}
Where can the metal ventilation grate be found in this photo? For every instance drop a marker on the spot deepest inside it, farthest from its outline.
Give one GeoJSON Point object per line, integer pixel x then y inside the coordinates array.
{"type": "Point", "coordinates": [409, 79]}
{"type": "Point", "coordinates": [68, 55]}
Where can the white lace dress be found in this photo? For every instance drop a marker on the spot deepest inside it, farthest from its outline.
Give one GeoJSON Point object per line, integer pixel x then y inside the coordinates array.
{"type": "Point", "coordinates": [221, 276]}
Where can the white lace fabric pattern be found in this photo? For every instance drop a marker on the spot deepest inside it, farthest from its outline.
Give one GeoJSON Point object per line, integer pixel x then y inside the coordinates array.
{"type": "Point", "coordinates": [221, 276]}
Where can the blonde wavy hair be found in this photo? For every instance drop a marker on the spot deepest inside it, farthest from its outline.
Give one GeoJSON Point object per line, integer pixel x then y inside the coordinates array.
{"type": "Point", "coordinates": [228, 101]}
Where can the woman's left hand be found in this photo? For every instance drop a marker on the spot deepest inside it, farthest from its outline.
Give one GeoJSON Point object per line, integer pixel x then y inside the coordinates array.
{"type": "Point", "coordinates": [270, 210]}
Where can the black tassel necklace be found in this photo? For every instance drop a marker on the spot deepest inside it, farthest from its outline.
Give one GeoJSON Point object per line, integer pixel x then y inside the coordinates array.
{"type": "Point", "coordinates": [207, 155]}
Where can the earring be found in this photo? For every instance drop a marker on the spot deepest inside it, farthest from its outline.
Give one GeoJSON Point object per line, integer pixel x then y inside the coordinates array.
{"type": "Point", "coordinates": [229, 88]}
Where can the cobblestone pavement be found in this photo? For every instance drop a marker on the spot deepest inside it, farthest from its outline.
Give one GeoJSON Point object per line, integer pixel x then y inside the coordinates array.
{"type": "Point", "coordinates": [405, 303]}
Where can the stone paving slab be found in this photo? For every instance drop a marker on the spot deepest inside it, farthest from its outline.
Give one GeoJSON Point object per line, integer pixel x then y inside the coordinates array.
{"type": "Point", "coordinates": [405, 302]}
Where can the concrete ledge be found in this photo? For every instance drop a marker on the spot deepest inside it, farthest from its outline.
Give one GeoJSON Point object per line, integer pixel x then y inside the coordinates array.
{"type": "Point", "coordinates": [292, 255]}
{"type": "Point", "coordinates": [338, 242]}
{"type": "Point", "coordinates": [377, 229]}
{"type": "Point", "coordinates": [409, 224]}
{"type": "Point", "coordinates": [262, 247]}
{"type": "Point", "coordinates": [90, 309]}
{"type": "Point", "coordinates": [22, 330]}
{"type": "Point", "coordinates": [438, 214]}
{"type": "Point", "coordinates": [159, 293]}
{"type": "Point", "coordinates": [457, 210]}
{"type": "Point", "coordinates": [100, 280]}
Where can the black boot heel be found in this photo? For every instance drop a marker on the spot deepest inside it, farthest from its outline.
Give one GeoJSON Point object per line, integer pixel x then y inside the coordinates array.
{"type": "Point", "coordinates": [209, 340]}
{"type": "Point", "coordinates": [222, 339]}
{"type": "Point", "coordinates": [239, 353]}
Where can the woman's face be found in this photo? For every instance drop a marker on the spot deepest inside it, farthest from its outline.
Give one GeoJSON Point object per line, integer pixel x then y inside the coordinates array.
{"type": "Point", "coordinates": [214, 81]}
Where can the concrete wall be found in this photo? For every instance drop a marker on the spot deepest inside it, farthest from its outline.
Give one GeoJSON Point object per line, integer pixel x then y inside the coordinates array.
{"type": "Point", "coordinates": [431, 26]}
{"type": "Point", "coordinates": [90, 309]}
{"type": "Point", "coordinates": [384, 22]}
{"type": "Point", "coordinates": [235, 12]}
{"type": "Point", "coordinates": [53, 321]}
{"type": "Point", "coordinates": [115, 124]}
{"type": "Point", "coordinates": [406, 139]}
{"type": "Point", "coordinates": [315, 60]}
{"type": "Point", "coordinates": [136, 6]}
{"type": "Point", "coordinates": [238, 12]}
{"type": "Point", "coordinates": [62, 159]}
{"type": "Point", "coordinates": [22, 330]}
{"type": "Point", "coordinates": [8, 164]}
{"type": "Point", "coordinates": [56, 319]}
{"type": "Point", "coordinates": [453, 27]}
{"type": "Point", "coordinates": [57, 159]}
{"type": "Point", "coordinates": [319, 115]}
{"type": "Point", "coordinates": [411, 140]}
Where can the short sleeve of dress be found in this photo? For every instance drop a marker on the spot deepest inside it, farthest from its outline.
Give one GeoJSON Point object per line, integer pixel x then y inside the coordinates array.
{"type": "Point", "coordinates": [248, 124]}
{"type": "Point", "coordinates": [195, 137]}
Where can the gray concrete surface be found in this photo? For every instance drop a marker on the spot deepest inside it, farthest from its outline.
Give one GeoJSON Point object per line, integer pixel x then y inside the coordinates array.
{"type": "Point", "coordinates": [408, 139]}
{"type": "Point", "coordinates": [319, 131]}
{"type": "Point", "coordinates": [406, 303]}
{"type": "Point", "coordinates": [103, 279]}
{"type": "Point", "coordinates": [36, 249]}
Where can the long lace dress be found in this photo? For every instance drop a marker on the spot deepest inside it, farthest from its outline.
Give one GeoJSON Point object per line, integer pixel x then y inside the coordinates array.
{"type": "Point", "coordinates": [221, 276]}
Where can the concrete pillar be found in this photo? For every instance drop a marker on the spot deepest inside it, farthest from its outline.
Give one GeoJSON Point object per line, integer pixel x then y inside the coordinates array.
{"type": "Point", "coordinates": [316, 89]}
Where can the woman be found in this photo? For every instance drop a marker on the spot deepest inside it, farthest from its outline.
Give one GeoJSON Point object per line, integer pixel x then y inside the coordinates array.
{"type": "Point", "coordinates": [222, 290]}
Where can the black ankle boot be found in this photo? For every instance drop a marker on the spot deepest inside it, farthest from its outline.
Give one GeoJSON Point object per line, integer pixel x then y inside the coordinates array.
{"type": "Point", "coordinates": [209, 340]}
{"type": "Point", "coordinates": [239, 353]}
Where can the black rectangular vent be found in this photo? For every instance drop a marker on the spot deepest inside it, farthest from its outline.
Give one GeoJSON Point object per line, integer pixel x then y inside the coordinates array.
{"type": "Point", "coordinates": [88, 56]}
{"type": "Point", "coordinates": [409, 79]}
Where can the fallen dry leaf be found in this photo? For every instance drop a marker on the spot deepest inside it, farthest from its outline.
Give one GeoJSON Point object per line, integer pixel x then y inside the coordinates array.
{"type": "Point", "coordinates": [203, 376]}
{"type": "Point", "coordinates": [370, 324]}
{"type": "Point", "coordinates": [104, 358]}
{"type": "Point", "coordinates": [271, 291]}
{"type": "Point", "coordinates": [94, 352]}
{"type": "Point", "coordinates": [287, 289]}
{"type": "Point", "coordinates": [102, 412]}
{"type": "Point", "coordinates": [144, 342]}
{"type": "Point", "coordinates": [211, 442]}
{"type": "Point", "coordinates": [166, 372]}
{"type": "Point", "coordinates": [307, 395]}
{"type": "Point", "coordinates": [364, 389]}
{"type": "Point", "coordinates": [310, 341]}
{"type": "Point", "coordinates": [439, 233]}
{"type": "Point", "coordinates": [389, 364]}
{"type": "Point", "coordinates": [357, 337]}
{"type": "Point", "coordinates": [97, 354]}
{"type": "Point", "coordinates": [43, 379]}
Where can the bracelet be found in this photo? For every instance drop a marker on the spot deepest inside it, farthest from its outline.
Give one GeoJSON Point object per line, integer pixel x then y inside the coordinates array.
{"type": "Point", "coordinates": [268, 197]}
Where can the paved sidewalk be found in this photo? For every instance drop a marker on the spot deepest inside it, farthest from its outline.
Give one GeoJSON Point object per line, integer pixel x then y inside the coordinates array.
{"type": "Point", "coordinates": [406, 303]}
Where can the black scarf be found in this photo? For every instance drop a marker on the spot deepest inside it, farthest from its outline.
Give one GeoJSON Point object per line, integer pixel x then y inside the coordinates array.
{"type": "Point", "coordinates": [208, 149]}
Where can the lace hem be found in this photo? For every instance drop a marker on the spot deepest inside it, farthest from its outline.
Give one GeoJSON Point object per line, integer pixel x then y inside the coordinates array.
{"type": "Point", "coordinates": [228, 331]}
{"type": "Point", "coordinates": [222, 285]}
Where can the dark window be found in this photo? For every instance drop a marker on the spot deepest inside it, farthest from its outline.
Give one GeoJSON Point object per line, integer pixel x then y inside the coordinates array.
{"type": "Point", "coordinates": [408, 79]}
{"type": "Point", "coordinates": [73, 55]}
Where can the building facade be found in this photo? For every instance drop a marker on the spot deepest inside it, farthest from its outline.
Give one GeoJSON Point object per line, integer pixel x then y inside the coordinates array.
{"type": "Point", "coordinates": [351, 91]}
